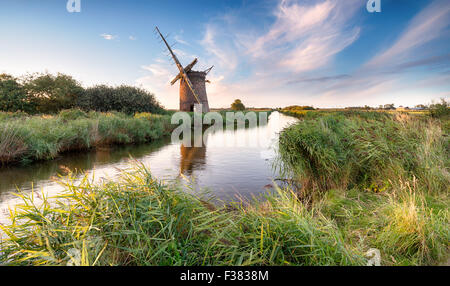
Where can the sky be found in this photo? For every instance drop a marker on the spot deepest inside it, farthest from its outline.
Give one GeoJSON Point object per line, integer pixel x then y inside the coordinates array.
{"type": "Point", "coordinates": [268, 53]}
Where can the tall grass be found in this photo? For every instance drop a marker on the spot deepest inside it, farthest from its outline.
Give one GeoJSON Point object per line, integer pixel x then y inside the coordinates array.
{"type": "Point", "coordinates": [11, 144]}
{"type": "Point", "coordinates": [382, 178]}
{"type": "Point", "coordinates": [31, 138]}
{"type": "Point", "coordinates": [138, 221]}
{"type": "Point", "coordinates": [348, 149]}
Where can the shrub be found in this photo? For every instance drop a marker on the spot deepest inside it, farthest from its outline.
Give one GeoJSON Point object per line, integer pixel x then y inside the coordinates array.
{"type": "Point", "coordinates": [438, 110]}
{"type": "Point", "coordinates": [124, 99]}
{"type": "Point", "coordinates": [237, 105]}
{"type": "Point", "coordinates": [72, 114]}
{"type": "Point", "coordinates": [13, 96]}
{"type": "Point", "coordinates": [50, 93]}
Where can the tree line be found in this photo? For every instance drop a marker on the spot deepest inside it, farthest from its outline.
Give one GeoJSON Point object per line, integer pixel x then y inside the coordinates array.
{"type": "Point", "coordinates": [48, 94]}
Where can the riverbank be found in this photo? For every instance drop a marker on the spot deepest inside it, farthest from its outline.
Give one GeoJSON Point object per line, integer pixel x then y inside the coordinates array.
{"type": "Point", "coordinates": [383, 178]}
{"type": "Point", "coordinates": [365, 181]}
{"type": "Point", "coordinates": [25, 138]}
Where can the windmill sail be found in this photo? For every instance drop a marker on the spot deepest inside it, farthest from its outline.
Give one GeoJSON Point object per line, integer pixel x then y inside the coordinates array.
{"type": "Point", "coordinates": [180, 67]}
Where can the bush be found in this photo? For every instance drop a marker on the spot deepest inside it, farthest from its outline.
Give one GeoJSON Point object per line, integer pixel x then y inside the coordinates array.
{"type": "Point", "coordinates": [50, 93]}
{"type": "Point", "coordinates": [439, 110]}
{"type": "Point", "coordinates": [237, 105]}
{"type": "Point", "coordinates": [13, 96]}
{"type": "Point", "coordinates": [72, 114]}
{"type": "Point", "coordinates": [124, 99]}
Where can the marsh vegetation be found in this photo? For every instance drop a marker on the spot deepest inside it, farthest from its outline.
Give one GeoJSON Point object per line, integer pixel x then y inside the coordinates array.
{"type": "Point", "coordinates": [362, 180]}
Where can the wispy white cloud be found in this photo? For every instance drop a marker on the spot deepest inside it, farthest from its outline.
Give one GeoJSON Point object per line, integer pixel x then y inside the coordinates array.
{"type": "Point", "coordinates": [108, 37]}
{"type": "Point", "coordinates": [224, 54]}
{"type": "Point", "coordinates": [178, 39]}
{"type": "Point", "coordinates": [427, 26]}
{"type": "Point", "coordinates": [304, 36]}
{"type": "Point", "coordinates": [290, 59]}
{"type": "Point", "coordinates": [157, 79]}
{"type": "Point", "coordinates": [132, 38]}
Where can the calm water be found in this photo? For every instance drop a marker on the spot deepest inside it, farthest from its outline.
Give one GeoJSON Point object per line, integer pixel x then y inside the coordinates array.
{"type": "Point", "coordinates": [231, 163]}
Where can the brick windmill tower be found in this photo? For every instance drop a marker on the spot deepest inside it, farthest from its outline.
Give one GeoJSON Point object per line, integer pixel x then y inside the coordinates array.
{"type": "Point", "coordinates": [192, 83]}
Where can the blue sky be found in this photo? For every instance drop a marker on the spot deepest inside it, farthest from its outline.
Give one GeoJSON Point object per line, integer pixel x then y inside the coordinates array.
{"type": "Point", "coordinates": [326, 53]}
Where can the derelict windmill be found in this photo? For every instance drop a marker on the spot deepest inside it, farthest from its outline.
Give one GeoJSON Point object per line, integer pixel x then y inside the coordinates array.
{"type": "Point", "coordinates": [192, 83]}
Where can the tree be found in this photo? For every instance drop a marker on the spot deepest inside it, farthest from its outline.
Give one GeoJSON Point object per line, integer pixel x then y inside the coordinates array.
{"type": "Point", "coordinates": [389, 106]}
{"type": "Point", "coordinates": [50, 93]}
{"type": "Point", "coordinates": [13, 96]}
{"type": "Point", "coordinates": [440, 109]}
{"type": "Point", "coordinates": [421, 106]}
{"type": "Point", "coordinates": [237, 105]}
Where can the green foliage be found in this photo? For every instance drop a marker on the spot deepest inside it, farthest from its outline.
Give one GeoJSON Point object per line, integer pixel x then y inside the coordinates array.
{"type": "Point", "coordinates": [389, 106]}
{"type": "Point", "coordinates": [13, 96]}
{"type": "Point", "coordinates": [124, 99]}
{"type": "Point", "coordinates": [72, 114]}
{"type": "Point", "coordinates": [237, 105]}
{"type": "Point", "coordinates": [298, 108]}
{"type": "Point", "coordinates": [138, 221]}
{"type": "Point", "coordinates": [407, 226]}
{"type": "Point", "coordinates": [297, 111]}
{"type": "Point", "coordinates": [44, 137]}
{"type": "Point", "coordinates": [439, 110]}
{"type": "Point", "coordinates": [345, 149]}
{"type": "Point", "coordinates": [52, 93]}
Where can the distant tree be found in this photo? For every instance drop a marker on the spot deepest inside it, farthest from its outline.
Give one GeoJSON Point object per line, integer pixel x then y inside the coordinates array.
{"type": "Point", "coordinates": [13, 96]}
{"type": "Point", "coordinates": [440, 109]}
{"type": "Point", "coordinates": [237, 105]}
{"type": "Point", "coordinates": [52, 93]}
{"type": "Point", "coordinates": [389, 106]}
{"type": "Point", "coordinates": [125, 99]}
{"type": "Point", "coordinates": [421, 106]}
{"type": "Point", "coordinates": [298, 108]}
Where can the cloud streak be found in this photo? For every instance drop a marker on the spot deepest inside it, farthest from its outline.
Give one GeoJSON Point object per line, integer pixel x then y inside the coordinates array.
{"type": "Point", "coordinates": [291, 58]}
{"type": "Point", "coordinates": [306, 37]}
{"type": "Point", "coordinates": [427, 26]}
{"type": "Point", "coordinates": [108, 37]}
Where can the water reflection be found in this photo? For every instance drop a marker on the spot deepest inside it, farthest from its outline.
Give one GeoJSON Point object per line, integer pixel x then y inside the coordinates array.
{"type": "Point", "coordinates": [192, 158]}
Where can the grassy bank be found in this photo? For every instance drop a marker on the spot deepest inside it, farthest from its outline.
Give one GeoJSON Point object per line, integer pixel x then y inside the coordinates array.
{"type": "Point", "coordinates": [383, 178]}
{"type": "Point", "coordinates": [26, 138]}
{"type": "Point", "coordinates": [138, 221]}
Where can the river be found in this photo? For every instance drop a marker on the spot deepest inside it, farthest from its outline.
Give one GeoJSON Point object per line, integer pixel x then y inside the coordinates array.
{"type": "Point", "coordinates": [228, 165]}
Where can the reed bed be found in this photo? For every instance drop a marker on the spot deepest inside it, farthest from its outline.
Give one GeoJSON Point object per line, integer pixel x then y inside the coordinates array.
{"type": "Point", "coordinates": [139, 221]}
{"type": "Point", "coordinates": [30, 138]}
{"type": "Point", "coordinates": [383, 178]}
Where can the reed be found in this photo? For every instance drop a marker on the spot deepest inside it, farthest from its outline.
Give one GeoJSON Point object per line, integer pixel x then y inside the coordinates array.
{"type": "Point", "coordinates": [30, 138]}
{"type": "Point", "coordinates": [365, 149]}
{"type": "Point", "coordinates": [382, 178]}
{"type": "Point", "coordinates": [139, 221]}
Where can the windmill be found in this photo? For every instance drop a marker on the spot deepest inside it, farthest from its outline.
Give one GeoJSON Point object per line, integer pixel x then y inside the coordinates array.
{"type": "Point", "coordinates": [192, 83]}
